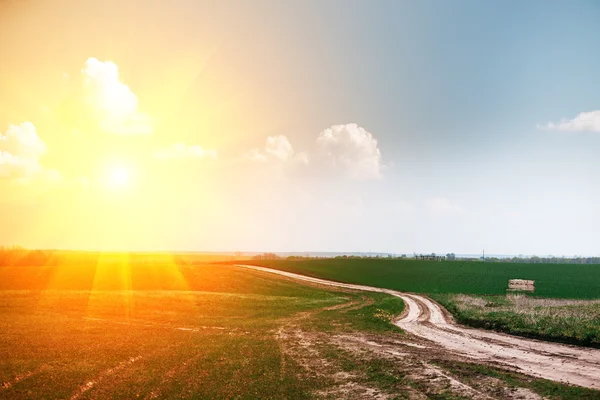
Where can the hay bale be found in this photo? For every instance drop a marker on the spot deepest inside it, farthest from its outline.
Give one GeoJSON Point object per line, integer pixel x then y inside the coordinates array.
{"type": "Point", "coordinates": [521, 285]}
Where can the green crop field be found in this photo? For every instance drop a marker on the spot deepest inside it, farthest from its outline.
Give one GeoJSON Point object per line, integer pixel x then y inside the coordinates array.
{"type": "Point", "coordinates": [578, 281]}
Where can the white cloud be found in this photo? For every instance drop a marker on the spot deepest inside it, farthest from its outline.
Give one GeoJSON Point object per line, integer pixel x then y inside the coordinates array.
{"type": "Point", "coordinates": [585, 121]}
{"type": "Point", "coordinates": [277, 148]}
{"type": "Point", "coordinates": [112, 102]}
{"type": "Point", "coordinates": [351, 149]}
{"type": "Point", "coordinates": [183, 151]}
{"type": "Point", "coordinates": [341, 150]}
{"type": "Point", "coordinates": [20, 151]}
{"type": "Point", "coordinates": [443, 206]}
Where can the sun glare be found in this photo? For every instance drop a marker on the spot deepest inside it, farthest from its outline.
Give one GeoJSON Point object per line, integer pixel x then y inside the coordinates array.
{"type": "Point", "coordinates": [118, 177]}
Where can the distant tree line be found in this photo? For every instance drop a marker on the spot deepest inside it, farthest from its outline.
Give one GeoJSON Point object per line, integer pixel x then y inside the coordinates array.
{"type": "Point", "coordinates": [266, 256]}
{"type": "Point", "coordinates": [19, 256]}
{"type": "Point", "coordinates": [546, 260]}
{"type": "Point", "coordinates": [447, 257]}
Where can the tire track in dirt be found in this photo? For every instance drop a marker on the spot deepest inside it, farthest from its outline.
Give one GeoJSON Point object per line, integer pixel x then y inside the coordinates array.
{"type": "Point", "coordinates": [108, 372]}
{"type": "Point", "coordinates": [426, 319]}
{"type": "Point", "coordinates": [174, 374]}
{"type": "Point", "coordinates": [304, 348]}
{"type": "Point", "coordinates": [18, 378]}
{"type": "Point", "coordinates": [197, 328]}
{"type": "Point", "coordinates": [429, 380]}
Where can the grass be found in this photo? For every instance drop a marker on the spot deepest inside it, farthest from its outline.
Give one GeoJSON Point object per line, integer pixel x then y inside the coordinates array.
{"type": "Point", "coordinates": [376, 316]}
{"type": "Point", "coordinates": [473, 373]}
{"type": "Point", "coordinates": [567, 321]}
{"type": "Point", "coordinates": [579, 281]}
{"type": "Point", "coordinates": [378, 372]}
{"type": "Point", "coordinates": [120, 329]}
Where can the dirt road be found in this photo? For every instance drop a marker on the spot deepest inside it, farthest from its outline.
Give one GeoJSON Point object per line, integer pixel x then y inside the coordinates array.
{"type": "Point", "coordinates": [426, 319]}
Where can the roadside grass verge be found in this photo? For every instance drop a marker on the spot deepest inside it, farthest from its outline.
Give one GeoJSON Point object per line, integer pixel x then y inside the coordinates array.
{"type": "Point", "coordinates": [473, 374]}
{"type": "Point", "coordinates": [566, 321]}
{"type": "Point", "coordinates": [395, 376]}
{"type": "Point", "coordinates": [418, 375]}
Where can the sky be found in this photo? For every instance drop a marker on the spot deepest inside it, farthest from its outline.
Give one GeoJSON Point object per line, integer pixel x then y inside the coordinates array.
{"type": "Point", "coordinates": [343, 126]}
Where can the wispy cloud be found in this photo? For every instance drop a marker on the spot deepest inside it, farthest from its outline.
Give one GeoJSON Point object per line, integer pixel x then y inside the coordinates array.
{"type": "Point", "coordinates": [584, 122]}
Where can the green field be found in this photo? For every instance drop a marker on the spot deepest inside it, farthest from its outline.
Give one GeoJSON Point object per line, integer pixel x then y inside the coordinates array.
{"type": "Point", "coordinates": [159, 331]}
{"type": "Point", "coordinates": [122, 327]}
{"type": "Point", "coordinates": [579, 281]}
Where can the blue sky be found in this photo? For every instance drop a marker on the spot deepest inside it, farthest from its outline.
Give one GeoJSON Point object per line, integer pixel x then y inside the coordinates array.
{"type": "Point", "coordinates": [471, 133]}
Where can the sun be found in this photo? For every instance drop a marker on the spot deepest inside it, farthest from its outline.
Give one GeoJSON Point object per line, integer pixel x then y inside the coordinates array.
{"type": "Point", "coordinates": [118, 177]}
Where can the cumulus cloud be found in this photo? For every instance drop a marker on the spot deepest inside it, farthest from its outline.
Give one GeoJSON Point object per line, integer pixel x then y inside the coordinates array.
{"type": "Point", "coordinates": [277, 148]}
{"type": "Point", "coordinates": [347, 150]}
{"type": "Point", "coordinates": [183, 151]}
{"type": "Point", "coordinates": [351, 149]}
{"type": "Point", "coordinates": [20, 151]}
{"type": "Point", "coordinates": [112, 102]}
{"type": "Point", "coordinates": [443, 206]}
{"type": "Point", "coordinates": [585, 121]}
